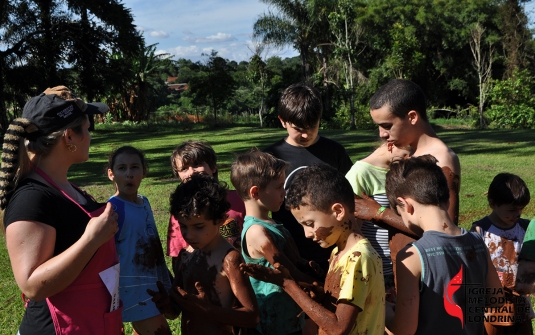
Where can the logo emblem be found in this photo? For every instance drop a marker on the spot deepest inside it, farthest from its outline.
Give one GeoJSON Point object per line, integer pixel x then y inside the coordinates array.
{"type": "Point", "coordinates": [449, 305]}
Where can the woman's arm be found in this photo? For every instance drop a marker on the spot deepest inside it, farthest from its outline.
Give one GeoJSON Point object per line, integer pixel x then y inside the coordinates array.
{"type": "Point", "coordinates": [30, 245]}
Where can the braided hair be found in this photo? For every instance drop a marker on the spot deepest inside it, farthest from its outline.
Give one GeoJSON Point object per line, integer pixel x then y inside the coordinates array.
{"type": "Point", "coordinates": [16, 161]}
{"type": "Point", "coordinates": [12, 157]}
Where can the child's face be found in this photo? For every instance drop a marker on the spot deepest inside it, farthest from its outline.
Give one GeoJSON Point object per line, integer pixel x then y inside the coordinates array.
{"type": "Point", "coordinates": [126, 174]}
{"type": "Point", "coordinates": [506, 215]}
{"type": "Point", "coordinates": [185, 171]}
{"type": "Point", "coordinates": [200, 232]}
{"type": "Point", "coordinates": [323, 228]}
{"type": "Point", "coordinates": [301, 137]}
{"type": "Point", "coordinates": [391, 128]}
{"type": "Point", "coordinates": [273, 195]}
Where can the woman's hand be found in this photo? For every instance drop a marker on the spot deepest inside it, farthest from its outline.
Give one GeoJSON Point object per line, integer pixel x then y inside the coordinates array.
{"type": "Point", "coordinates": [101, 228]}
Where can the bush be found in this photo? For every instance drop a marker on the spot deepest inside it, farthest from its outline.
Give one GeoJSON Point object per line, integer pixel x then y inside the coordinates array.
{"type": "Point", "coordinates": [512, 102]}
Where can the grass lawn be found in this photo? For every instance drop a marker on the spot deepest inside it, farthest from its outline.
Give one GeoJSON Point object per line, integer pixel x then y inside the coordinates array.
{"type": "Point", "coordinates": [483, 154]}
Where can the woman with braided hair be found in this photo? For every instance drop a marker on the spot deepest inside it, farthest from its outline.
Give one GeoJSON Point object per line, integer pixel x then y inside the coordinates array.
{"type": "Point", "coordinates": [59, 239]}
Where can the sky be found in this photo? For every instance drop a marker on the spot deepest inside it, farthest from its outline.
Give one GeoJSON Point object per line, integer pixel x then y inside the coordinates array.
{"type": "Point", "coordinates": [186, 28]}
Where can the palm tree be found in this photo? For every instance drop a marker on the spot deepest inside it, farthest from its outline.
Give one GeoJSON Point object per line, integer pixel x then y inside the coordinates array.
{"type": "Point", "coordinates": [290, 25]}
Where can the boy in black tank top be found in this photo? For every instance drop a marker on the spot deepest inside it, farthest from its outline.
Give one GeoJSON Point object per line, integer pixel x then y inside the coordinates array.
{"type": "Point", "coordinates": [446, 278]}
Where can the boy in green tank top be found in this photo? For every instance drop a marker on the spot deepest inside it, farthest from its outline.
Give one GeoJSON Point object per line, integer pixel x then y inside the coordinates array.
{"type": "Point", "coordinates": [259, 180]}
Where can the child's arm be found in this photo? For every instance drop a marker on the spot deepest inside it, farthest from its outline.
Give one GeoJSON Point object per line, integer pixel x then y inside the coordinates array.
{"type": "Point", "coordinates": [368, 209]}
{"type": "Point", "coordinates": [166, 306]}
{"type": "Point", "coordinates": [259, 241]}
{"type": "Point", "coordinates": [409, 270]}
{"type": "Point", "coordinates": [163, 302]}
{"type": "Point", "coordinates": [245, 315]}
{"type": "Point", "coordinates": [341, 321]}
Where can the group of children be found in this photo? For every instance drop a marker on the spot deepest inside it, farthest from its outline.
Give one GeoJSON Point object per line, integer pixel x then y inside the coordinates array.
{"type": "Point", "coordinates": [308, 243]}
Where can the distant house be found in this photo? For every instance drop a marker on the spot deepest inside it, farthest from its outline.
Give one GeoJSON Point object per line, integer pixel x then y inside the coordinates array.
{"type": "Point", "coordinates": [176, 87]}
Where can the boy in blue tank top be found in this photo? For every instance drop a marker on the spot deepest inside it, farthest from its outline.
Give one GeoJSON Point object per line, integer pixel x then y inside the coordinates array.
{"type": "Point", "coordinates": [446, 278]}
{"type": "Point", "coordinates": [259, 180]}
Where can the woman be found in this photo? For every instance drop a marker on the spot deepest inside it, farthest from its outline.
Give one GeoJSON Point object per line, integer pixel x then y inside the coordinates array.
{"type": "Point", "coordinates": [58, 237]}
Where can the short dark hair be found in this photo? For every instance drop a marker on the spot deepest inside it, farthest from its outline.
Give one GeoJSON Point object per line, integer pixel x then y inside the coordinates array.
{"type": "Point", "coordinates": [255, 168]}
{"type": "Point", "coordinates": [300, 105]}
{"type": "Point", "coordinates": [419, 178]}
{"type": "Point", "coordinates": [402, 96]}
{"type": "Point", "coordinates": [508, 189]}
{"type": "Point", "coordinates": [194, 152]}
{"type": "Point", "coordinates": [201, 194]}
{"type": "Point", "coordinates": [319, 186]}
{"type": "Point", "coordinates": [129, 150]}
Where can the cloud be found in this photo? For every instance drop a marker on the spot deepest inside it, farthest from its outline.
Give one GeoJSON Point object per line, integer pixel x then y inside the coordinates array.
{"type": "Point", "coordinates": [159, 34]}
{"type": "Point", "coordinates": [187, 52]}
{"type": "Point", "coordinates": [218, 38]}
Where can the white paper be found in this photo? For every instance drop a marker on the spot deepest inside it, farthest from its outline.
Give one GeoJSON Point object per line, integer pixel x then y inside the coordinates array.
{"type": "Point", "coordinates": [110, 277]}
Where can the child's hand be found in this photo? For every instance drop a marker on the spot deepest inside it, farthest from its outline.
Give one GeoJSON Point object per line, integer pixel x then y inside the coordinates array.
{"type": "Point", "coordinates": [315, 291]}
{"type": "Point", "coordinates": [162, 301]}
{"type": "Point", "coordinates": [317, 269]}
{"type": "Point", "coordinates": [525, 277]}
{"type": "Point", "coordinates": [366, 208]}
{"type": "Point", "coordinates": [196, 303]}
{"type": "Point", "coordinates": [275, 276]}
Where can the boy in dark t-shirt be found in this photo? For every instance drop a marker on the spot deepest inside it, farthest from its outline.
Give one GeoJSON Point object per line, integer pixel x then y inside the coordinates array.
{"type": "Point", "coordinates": [299, 112]}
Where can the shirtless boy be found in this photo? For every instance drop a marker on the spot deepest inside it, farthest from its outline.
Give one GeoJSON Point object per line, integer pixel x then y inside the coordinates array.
{"type": "Point", "coordinates": [209, 289]}
{"type": "Point", "coordinates": [399, 109]}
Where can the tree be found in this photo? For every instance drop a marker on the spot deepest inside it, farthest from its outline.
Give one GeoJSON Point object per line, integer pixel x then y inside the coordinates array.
{"type": "Point", "coordinates": [346, 42]}
{"type": "Point", "coordinates": [259, 74]}
{"type": "Point", "coordinates": [483, 66]}
{"type": "Point", "coordinates": [213, 83]}
{"type": "Point", "coordinates": [291, 25]}
{"type": "Point", "coordinates": [47, 42]}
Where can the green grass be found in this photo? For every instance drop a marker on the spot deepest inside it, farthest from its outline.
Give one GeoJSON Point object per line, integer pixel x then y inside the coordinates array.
{"type": "Point", "coordinates": [483, 154]}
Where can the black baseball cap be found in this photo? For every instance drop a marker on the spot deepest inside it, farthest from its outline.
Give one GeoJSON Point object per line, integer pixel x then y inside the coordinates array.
{"type": "Point", "coordinates": [56, 108]}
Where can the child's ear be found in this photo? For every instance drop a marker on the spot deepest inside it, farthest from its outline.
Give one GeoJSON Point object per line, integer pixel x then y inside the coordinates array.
{"type": "Point", "coordinates": [405, 204]}
{"type": "Point", "coordinates": [253, 192]}
{"type": "Point", "coordinates": [338, 211]}
{"type": "Point", "coordinates": [491, 204]}
{"type": "Point", "coordinates": [110, 174]}
{"type": "Point", "coordinates": [413, 116]}
{"type": "Point", "coordinates": [282, 122]}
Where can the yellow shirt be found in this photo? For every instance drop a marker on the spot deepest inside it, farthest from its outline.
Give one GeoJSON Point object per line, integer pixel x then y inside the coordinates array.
{"type": "Point", "coordinates": [361, 283]}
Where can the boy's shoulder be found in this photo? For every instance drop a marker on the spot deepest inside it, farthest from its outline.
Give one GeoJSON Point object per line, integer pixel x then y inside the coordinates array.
{"type": "Point", "coordinates": [445, 156]}
{"type": "Point", "coordinates": [252, 223]}
{"type": "Point", "coordinates": [485, 224]}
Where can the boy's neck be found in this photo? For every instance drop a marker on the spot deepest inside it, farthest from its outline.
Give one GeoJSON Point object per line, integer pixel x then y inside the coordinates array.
{"type": "Point", "coordinates": [495, 219]}
{"type": "Point", "coordinates": [430, 217]}
{"type": "Point", "coordinates": [424, 140]}
{"type": "Point", "coordinates": [350, 237]}
{"type": "Point", "coordinates": [254, 209]}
